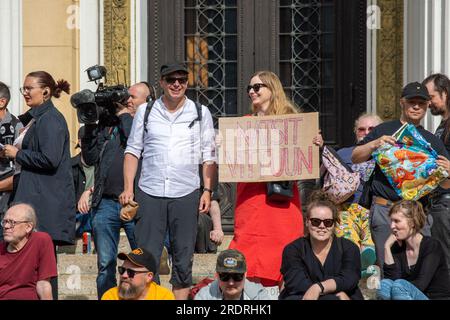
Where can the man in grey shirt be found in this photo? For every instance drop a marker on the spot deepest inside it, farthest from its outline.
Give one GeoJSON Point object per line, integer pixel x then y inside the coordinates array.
{"type": "Point", "coordinates": [231, 283]}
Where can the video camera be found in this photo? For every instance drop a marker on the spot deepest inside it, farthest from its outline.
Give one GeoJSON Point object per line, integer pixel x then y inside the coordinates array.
{"type": "Point", "coordinates": [102, 104]}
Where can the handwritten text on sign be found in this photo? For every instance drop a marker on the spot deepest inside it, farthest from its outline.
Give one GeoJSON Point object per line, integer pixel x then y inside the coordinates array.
{"type": "Point", "coordinates": [272, 148]}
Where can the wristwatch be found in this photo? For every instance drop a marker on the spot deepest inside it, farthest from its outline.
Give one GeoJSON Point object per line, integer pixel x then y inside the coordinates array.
{"type": "Point", "coordinates": [209, 190]}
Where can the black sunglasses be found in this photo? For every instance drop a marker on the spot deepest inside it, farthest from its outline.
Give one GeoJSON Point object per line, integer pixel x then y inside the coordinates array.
{"type": "Point", "coordinates": [316, 222]}
{"type": "Point", "coordinates": [131, 273]}
{"type": "Point", "coordinates": [171, 80]}
{"type": "Point", "coordinates": [255, 87]}
{"type": "Point", "coordinates": [227, 276]}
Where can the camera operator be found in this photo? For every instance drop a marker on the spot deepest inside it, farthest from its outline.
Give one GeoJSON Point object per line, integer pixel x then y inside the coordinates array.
{"type": "Point", "coordinates": [103, 145]}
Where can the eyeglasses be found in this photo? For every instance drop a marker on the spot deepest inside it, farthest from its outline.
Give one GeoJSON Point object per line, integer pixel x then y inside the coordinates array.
{"type": "Point", "coordinates": [316, 222]}
{"type": "Point", "coordinates": [172, 80]}
{"type": "Point", "coordinates": [11, 223]}
{"type": "Point", "coordinates": [227, 276]}
{"type": "Point", "coordinates": [255, 87]}
{"type": "Point", "coordinates": [131, 273]}
{"type": "Point", "coordinates": [362, 129]}
{"type": "Point", "coordinates": [25, 90]}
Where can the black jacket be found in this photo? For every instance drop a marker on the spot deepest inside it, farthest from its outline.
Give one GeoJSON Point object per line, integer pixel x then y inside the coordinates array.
{"type": "Point", "coordinates": [79, 178]}
{"type": "Point", "coordinates": [301, 268]}
{"type": "Point", "coordinates": [46, 177]}
{"type": "Point", "coordinates": [100, 146]}
{"type": "Point", "coordinates": [429, 274]}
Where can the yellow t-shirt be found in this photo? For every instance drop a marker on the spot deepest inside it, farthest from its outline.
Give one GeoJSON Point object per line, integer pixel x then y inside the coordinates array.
{"type": "Point", "coordinates": [155, 292]}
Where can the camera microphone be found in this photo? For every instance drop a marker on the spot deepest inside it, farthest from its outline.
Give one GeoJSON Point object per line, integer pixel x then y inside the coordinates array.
{"type": "Point", "coordinates": [85, 96]}
{"type": "Point", "coordinates": [84, 102]}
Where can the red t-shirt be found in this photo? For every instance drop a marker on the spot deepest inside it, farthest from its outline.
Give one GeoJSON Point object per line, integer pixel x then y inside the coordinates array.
{"type": "Point", "coordinates": [20, 271]}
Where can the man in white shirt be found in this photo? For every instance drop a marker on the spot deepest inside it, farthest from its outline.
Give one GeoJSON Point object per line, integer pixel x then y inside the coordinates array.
{"type": "Point", "coordinates": [177, 138]}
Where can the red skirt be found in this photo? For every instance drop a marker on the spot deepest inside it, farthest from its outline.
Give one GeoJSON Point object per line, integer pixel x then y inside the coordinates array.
{"type": "Point", "coordinates": [262, 229]}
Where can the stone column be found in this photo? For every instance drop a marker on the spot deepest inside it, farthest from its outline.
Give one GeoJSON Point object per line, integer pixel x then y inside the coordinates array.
{"type": "Point", "coordinates": [11, 53]}
{"type": "Point", "coordinates": [427, 48]}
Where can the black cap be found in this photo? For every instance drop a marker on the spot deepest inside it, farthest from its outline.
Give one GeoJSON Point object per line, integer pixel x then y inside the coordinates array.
{"type": "Point", "coordinates": [415, 90]}
{"type": "Point", "coordinates": [141, 258]}
{"type": "Point", "coordinates": [173, 67]}
{"type": "Point", "coordinates": [231, 261]}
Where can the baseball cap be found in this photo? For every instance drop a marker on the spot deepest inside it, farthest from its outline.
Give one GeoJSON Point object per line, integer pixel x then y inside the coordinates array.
{"type": "Point", "coordinates": [172, 67]}
{"type": "Point", "coordinates": [415, 90]}
{"type": "Point", "coordinates": [141, 258]}
{"type": "Point", "coordinates": [231, 261]}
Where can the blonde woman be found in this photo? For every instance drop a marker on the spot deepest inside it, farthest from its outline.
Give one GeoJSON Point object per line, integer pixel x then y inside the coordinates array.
{"type": "Point", "coordinates": [263, 228]}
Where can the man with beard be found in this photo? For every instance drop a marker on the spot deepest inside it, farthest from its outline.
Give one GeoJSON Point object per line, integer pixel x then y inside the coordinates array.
{"type": "Point", "coordinates": [438, 86]}
{"type": "Point", "coordinates": [136, 279]}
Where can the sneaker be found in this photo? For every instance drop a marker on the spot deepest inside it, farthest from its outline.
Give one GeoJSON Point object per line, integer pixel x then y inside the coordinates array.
{"type": "Point", "coordinates": [164, 268]}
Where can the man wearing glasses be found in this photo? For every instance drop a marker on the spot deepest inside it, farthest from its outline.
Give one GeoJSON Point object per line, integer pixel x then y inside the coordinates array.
{"type": "Point", "coordinates": [414, 103]}
{"type": "Point", "coordinates": [136, 279]}
{"type": "Point", "coordinates": [231, 283]}
{"type": "Point", "coordinates": [27, 259]}
{"type": "Point", "coordinates": [178, 136]}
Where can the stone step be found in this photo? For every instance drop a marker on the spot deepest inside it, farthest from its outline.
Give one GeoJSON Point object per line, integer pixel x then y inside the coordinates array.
{"type": "Point", "coordinates": [124, 246]}
{"type": "Point", "coordinates": [68, 264]}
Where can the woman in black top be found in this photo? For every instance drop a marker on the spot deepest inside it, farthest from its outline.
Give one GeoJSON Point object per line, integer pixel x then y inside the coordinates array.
{"type": "Point", "coordinates": [320, 266]}
{"type": "Point", "coordinates": [415, 266]}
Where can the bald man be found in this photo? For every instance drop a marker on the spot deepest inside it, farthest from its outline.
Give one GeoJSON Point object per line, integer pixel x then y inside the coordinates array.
{"type": "Point", "coordinates": [27, 259]}
{"type": "Point", "coordinates": [138, 95]}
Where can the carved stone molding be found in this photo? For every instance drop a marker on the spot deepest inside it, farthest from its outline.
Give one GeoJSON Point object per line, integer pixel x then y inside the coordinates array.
{"type": "Point", "coordinates": [390, 59]}
{"type": "Point", "coordinates": [117, 40]}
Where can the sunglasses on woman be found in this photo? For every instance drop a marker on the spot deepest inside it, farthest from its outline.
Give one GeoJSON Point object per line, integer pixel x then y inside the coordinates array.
{"type": "Point", "coordinates": [227, 276]}
{"type": "Point", "coordinates": [255, 87]}
{"type": "Point", "coordinates": [316, 222]}
{"type": "Point", "coordinates": [130, 272]}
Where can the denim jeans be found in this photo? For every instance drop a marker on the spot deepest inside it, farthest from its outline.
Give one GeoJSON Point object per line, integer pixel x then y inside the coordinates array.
{"type": "Point", "coordinates": [83, 223]}
{"type": "Point", "coordinates": [106, 226]}
{"type": "Point", "coordinates": [399, 290]}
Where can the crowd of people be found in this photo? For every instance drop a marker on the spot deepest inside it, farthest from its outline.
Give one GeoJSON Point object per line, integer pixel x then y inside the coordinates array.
{"type": "Point", "coordinates": [158, 154]}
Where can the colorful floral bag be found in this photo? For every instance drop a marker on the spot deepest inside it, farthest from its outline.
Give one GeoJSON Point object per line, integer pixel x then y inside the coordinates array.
{"type": "Point", "coordinates": [339, 180]}
{"type": "Point", "coordinates": [410, 166]}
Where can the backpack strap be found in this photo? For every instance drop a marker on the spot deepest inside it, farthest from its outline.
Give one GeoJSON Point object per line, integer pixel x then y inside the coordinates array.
{"type": "Point", "coordinates": [198, 106]}
{"type": "Point", "coordinates": [147, 113]}
{"type": "Point", "coordinates": [149, 107]}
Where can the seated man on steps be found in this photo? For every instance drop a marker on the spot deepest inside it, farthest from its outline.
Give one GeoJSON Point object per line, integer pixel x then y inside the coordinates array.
{"type": "Point", "coordinates": [136, 279]}
{"type": "Point", "coordinates": [27, 259]}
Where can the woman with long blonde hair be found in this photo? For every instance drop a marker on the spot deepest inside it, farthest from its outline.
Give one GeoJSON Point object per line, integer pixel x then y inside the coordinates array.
{"type": "Point", "coordinates": [264, 227]}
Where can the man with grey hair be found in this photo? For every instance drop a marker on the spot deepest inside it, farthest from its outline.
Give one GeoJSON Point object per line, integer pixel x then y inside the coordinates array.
{"type": "Point", "coordinates": [27, 260]}
{"type": "Point", "coordinates": [9, 130]}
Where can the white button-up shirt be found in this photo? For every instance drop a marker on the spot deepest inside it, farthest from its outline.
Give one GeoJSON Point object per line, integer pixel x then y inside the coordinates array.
{"type": "Point", "coordinates": [172, 151]}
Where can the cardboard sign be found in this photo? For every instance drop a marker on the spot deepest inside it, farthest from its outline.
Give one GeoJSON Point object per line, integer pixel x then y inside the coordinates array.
{"type": "Point", "coordinates": [272, 148]}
